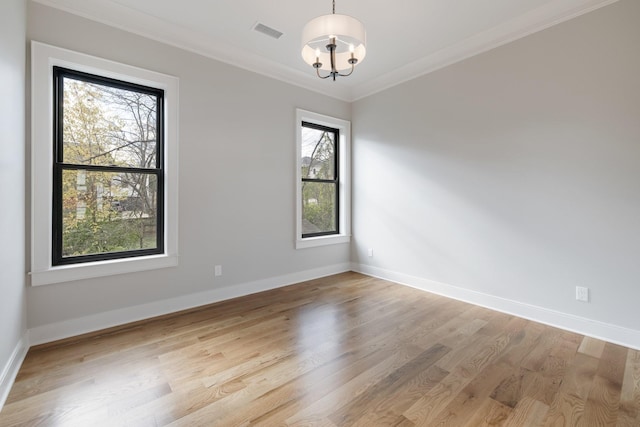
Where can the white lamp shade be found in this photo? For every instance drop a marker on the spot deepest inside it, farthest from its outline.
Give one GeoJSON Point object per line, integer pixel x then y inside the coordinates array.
{"type": "Point", "coordinates": [347, 30]}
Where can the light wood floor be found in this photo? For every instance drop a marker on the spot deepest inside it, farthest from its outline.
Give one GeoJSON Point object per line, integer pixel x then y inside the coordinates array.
{"type": "Point", "coordinates": [339, 351]}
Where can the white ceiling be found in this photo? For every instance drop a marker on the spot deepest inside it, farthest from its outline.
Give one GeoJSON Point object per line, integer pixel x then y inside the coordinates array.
{"type": "Point", "coordinates": [405, 38]}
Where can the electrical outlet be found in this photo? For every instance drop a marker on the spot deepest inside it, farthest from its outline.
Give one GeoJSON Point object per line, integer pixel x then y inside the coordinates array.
{"type": "Point", "coordinates": [370, 252]}
{"type": "Point", "coordinates": [582, 293]}
{"type": "Point", "coordinates": [217, 270]}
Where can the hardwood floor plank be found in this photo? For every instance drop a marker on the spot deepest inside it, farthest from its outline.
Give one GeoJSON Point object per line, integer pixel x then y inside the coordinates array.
{"type": "Point", "coordinates": [568, 406]}
{"type": "Point", "coordinates": [423, 411]}
{"type": "Point", "coordinates": [604, 396]}
{"type": "Point", "coordinates": [567, 410]}
{"type": "Point", "coordinates": [625, 420]}
{"type": "Point", "coordinates": [528, 412]}
{"type": "Point", "coordinates": [461, 352]}
{"type": "Point", "coordinates": [527, 343]}
{"type": "Point", "coordinates": [291, 398]}
{"type": "Point", "coordinates": [343, 350]}
{"type": "Point", "coordinates": [613, 364]}
{"type": "Point", "coordinates": [368, 401]}
{"type": "Point", "coordinates": [390, 408]}
{"type": "Point", "coordinates": [466, 404]}
{"type": "Point", "coordinates": [318, 422]}
{"type": "Point", "coordinates": [602, 404]}
{"type": "Point", "coordinates": [342, 395]}
{"type": "Point", "coordinates": [539, 352]}
{"type": "Point", "coordinates": [566, 345]}
{"type": "Point", "coordinates": [592, 347]}
{"type": "Point", "coordinates": [489, 414]}
{"type": "Point", "coordinates": [511, 389]}
{"type": "Point", "coordinates": [400, 422]}
{"type": "Point", "coordinates": [630, 392]}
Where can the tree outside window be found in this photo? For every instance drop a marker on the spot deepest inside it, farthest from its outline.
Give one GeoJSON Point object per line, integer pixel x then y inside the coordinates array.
{"type": "Point", "coordinates": [319, 172]}
{"type": "Point", "coordinates": [108, 169]}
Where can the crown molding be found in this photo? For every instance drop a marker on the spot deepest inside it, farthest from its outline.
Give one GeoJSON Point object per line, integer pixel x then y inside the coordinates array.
{"type": "Point", "coordinates": [534, 21]}
{"type": "Point", "coordinates": [142, 24]}
{"type": "Point", "coordinates": [134, 21]}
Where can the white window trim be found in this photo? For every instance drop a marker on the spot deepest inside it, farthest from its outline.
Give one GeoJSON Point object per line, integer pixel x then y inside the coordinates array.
{"type": "Point", "coordinates": [43, 59]}
{"type": "Point", "coordinates": [344, 215]}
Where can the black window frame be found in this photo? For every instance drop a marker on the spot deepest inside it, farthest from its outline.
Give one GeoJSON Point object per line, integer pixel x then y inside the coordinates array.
{"type": "Point", "coordinates": [335, 181]}
{"type": "Point", "coordinates": [59, 166]}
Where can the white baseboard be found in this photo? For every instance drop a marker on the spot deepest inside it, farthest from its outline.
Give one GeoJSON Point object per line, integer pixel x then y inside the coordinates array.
{"type": "Point", "coordinates": [95, 322]}
{"type": "Point", "coordinates": [581, 325]}
{"type": "Point", "coordinates": [11, 368]}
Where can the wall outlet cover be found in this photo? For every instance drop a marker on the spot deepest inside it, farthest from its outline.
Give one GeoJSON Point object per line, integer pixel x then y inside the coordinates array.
{"type": "Point", "coordinates": [582, 293]}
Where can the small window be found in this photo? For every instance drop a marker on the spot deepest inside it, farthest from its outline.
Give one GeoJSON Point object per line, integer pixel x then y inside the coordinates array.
{"type": "Point", "coordinates": [108, 168]}
{"type": "Point", "coordinates": [320, 189]}
{"type": "Point", "coordinates": [323, 190]}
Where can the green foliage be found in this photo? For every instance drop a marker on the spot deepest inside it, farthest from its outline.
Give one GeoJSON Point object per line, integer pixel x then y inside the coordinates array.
{"type": "Point", "coordinates": [92, 222]}
{"type": "Point", "coordinates": [88, 237]}
{"type": "Point", "coordinates": [319, 198]}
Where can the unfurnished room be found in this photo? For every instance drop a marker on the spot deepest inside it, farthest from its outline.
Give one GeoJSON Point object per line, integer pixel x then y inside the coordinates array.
{"type": "Point", "coordinates": [320, 213]}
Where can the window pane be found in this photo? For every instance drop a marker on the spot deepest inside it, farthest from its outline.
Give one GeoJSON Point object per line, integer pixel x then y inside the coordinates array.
{"type": "Point", "coordinates": [108, 212]}
{"type": "Point", "coordinates": [318, 153]}
{"type": "Point", "coordinates": [103, 125]}
{"type": "Point", "coordinates": [318, 207]}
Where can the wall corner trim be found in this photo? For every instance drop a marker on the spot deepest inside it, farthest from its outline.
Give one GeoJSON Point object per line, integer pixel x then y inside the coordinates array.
{"type": "Point", "coordinates": [11, 368]}
{"type": "Point", "coordinates": [581, 325]}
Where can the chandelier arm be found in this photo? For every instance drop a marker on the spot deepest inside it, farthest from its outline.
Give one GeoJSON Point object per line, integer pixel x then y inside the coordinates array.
{"type": "Point", "coordinates": [350, 72]}
{"type": "Point", "coordinates": [322, 77]}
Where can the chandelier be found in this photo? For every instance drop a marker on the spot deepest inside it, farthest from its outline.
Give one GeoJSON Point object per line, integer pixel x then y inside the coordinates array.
{"type": "Point", "coordinates": [333, 43]}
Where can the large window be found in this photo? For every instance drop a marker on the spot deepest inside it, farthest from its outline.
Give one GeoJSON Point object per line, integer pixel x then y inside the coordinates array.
{"type": "Point", "coordinates": [108, 168]}
{"type": "Point", "coordinates": [323, 180]}
{"type": "Point", "coordinates": [104, 167]}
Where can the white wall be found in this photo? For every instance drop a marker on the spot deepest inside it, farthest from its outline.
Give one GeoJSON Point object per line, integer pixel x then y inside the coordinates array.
{"type": "Point", "coordinates": [12, 171]}
{"type": "Point", "coordinates": [513, 176]}
{"type": "Point", "coordinates": [236, 180]}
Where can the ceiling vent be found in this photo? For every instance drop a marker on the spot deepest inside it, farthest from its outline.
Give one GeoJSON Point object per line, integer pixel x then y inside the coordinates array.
{"type": "Point", "coordinates": [261, 28]}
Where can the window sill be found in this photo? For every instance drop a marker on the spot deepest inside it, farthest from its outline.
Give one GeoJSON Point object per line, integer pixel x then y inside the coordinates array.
{"type": "Point", "coordinates": [89, 270]}
{"type": "Point", "coordinates": [312, 242]}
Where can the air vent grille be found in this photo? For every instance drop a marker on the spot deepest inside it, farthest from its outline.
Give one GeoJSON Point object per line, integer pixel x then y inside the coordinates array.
{"type": "Point", "coordinates": [261, 28]}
